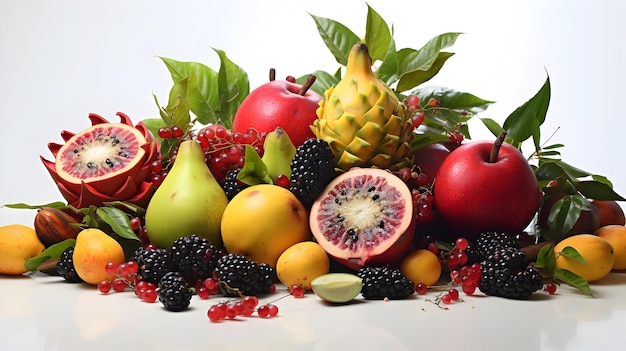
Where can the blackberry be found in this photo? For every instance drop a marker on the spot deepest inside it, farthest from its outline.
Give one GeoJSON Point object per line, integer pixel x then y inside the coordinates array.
{"type": "Point", "coordinates": [312, 168]}
{"type": "Point", "coordinates": [173, 292]}
{"type": "Point", "coordinates": [238, 276]}
{"type": "Point", "coordinates": [487, 243]}
{"type": "Point", "coordinates": [384, 282]}
{"type": "Point", "coordinates": [195, 257]}
{"type": "Point", "coordinates": [153, 264]}
{"type": "Point", "coordinates": [507, 273]}
{"type": "Point", "coordinates": [65, 266]}
{"type": "Point", "coordinates": [231, 185]}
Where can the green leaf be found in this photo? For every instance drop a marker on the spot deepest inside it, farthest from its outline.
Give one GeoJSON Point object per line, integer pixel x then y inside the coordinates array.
{"type": "Point", "coordinates": [453, 99]}
{"type": "Point", "coordinates": [572, 279]}
{"type": "Point", "coordinates": [597, 190]}
{"type": "Point", "coordinates": [573, 254]}
{"type": "Point", "coordinates": [492, 125]}
{"type": "Point", "coordinates": [21, 205]}
{"type": "Point", "coordinates": [410, 80]}
{"type": "Point", "coordinates": [233, 87]}
{"type": "Point", "coordinates": [377, 35]}
{"type": "Point", "coordinates": [562, 217]}
{"type": "Point", "coordinates": [53, 252]}
{"type": "Point", "coordinates": [177, 108]}
{"type": "Point", "coordinates": [323, 81]}
{"type": "Point", "coordinates": [254, 171]}
{"type": "Point", "coordinates": [118, 221]}
{"type": "Point", "coordinates": [337, 37]}
{"type": "Point", "coordinates": [527, 119]}
{"type": "Point", "coordinates": [546, 258]}
{"type": "Point", "coordinates": [388, 70]}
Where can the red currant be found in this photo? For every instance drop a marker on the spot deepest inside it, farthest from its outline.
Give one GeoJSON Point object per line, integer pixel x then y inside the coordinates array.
{"type": "Point", "coordinates": [164, 133]}
{"type": "Point", "coordinates": [550, 289]}
{"type": "Point", "coordinates": [461, 244]}
{"type": "Point", "coordinates": [421, 288]}
{"type": "Point", "coordinates": [282, 180]}
{"type": "Point", "coordinates": [104, 286]}
{"type": "Point", "coordinates": [297, 291]}
{"type": "Point", "coordinates": [177, 132]}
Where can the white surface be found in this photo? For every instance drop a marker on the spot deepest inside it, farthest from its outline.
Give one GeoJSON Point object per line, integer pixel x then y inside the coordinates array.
{"type": "Point", "coordinates": [45, 313]}
{"type": "Point", "coordinates": [64, 59]}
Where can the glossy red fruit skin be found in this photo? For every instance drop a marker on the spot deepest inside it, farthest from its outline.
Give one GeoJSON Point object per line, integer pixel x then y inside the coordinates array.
{"type": "Point", "coordinates": [429, 159]}
{"type": "Point", "coordinates": [278, 104]}
{"type": "Point", "coordinates": [473, 195]}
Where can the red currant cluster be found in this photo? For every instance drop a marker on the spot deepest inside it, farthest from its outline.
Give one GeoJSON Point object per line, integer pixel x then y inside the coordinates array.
{"type": "Point", "coordinates": [126, 277]}
{"type": "Point", "coordinates": [225, 150]}
{"type": "Point", "coordinates": [244, 307]}
{"type": "Point", "coordinates": [423, 204]}
{"type": "Point", "coordinates": [412, 102]}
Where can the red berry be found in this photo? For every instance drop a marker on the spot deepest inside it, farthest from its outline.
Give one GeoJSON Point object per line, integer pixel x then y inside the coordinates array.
{"type": "Point", "coordinates": [282, 180]}
{"type": "Point", "coordinates": [461, 244]}
{"type": "Point", "coordinates": [297, 291]}
{"type": "Point", "coordinates": [203, 293]}
{"type": "Point", "coordinates": [421, 288]}
{"type": "Point", "coordinates": [446, 299]}
{"type": "Point", "coordinates": [149, 295]}
{"type": "Point", "coordinates": [164, 132]}
{"type": "Point", "coordinates": [454, 294]}
{"type": "Point", "coordinates": [551, 289]}
{"type": "Point", "coordinates": [177, 132]}
{"type": "Point", "coordinates": [110, 268]}
{"type": "Point", "coordinates": [118, 284]}
{"type": "Point", "coordinates": [263, 311]}
{"type": "Point", "coordinates": [214, 314]}
{"type": "Point", "coordinates": [104, 286]}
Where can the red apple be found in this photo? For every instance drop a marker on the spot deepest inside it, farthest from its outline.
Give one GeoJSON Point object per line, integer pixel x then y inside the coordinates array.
{"type": "Point", "coordinates": [485, 186]}
{"type": "Point", "coordinates": [429, 158]}
{"type": "Point", "coordinates": [279, 103]}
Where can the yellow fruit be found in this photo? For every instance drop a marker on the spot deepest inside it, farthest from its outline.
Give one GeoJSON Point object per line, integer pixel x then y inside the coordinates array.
{"type": "Point", "coordinates": [262, 221]}
{"type": "Point", "coordinates": [421, 266]}
{"type": "Point", "coordinates": [17, 244]}
{"type": "Point", "coordinates": [301, 263]}
{"type": "Point", "coordinates": [598, 253]}
{"type": "Point", "coordinates": [93, 250]}
{"type": "Point", "coordinates": [616, 235]}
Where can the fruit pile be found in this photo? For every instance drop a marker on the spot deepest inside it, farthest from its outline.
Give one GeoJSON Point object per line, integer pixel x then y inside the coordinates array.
{"type": "Point", "coordinates": [341, 186]}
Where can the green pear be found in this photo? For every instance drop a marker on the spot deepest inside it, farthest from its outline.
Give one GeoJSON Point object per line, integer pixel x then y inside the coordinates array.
{"type": "Point", "coordinates": [189, 201]}
{"type": "Point", "coordinates": [278, 153]}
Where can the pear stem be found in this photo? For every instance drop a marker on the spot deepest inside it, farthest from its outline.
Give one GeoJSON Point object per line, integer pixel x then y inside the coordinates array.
{"type": "Point", "coordinates": [493, 157]}
{"type": "Point", "coordinates": [272, 74]}
{"type": "Point", "coordinates": [307, 85]}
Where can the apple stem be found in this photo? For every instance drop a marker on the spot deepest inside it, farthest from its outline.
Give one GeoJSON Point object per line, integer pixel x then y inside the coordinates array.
{"type": "Point", "coordinates": [307, 85]}
{"type": "Point", "coordinates": [272, 74]}
{"type": "Point", "coordinates": [493, 157]}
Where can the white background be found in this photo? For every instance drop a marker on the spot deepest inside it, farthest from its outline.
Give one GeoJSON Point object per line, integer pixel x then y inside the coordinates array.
{"type": "Point", "coordinates": [61, 60]}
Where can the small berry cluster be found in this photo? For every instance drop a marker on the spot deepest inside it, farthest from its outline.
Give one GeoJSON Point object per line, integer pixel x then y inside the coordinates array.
{"type": "Point", "coordinates": [225, 150]}
{"type": "Point", "coordinates": [245, 307]}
